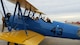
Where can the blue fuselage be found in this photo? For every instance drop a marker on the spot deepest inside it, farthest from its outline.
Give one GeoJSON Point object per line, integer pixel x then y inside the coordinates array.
{"type": "Point", "coordinates": [54, 29]}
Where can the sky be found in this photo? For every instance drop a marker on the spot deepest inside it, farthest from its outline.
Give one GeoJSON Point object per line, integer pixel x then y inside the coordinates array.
{"type": "Point", "coordinates": [57, 10]}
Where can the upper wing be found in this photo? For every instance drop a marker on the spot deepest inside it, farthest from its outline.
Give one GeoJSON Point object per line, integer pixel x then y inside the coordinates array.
{"type": "Point", "coordinates": [25, 4]}
{"type": "Point", "coordinates": [20, 37]}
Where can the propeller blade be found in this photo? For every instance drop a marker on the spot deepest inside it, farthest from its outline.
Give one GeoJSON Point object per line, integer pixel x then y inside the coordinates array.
{"type": "Point", "coordinates": [3, 24]}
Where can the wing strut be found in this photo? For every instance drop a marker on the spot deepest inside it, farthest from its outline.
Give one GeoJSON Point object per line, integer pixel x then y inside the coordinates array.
{"type": "Point", "coordinates": [25, 12]}
{"type": "Point", "coordinates": [19, 10]}
{"type": "Point", "coordinates": [3, 8]}
{"type": "Point", "coordinates": [29, 11]}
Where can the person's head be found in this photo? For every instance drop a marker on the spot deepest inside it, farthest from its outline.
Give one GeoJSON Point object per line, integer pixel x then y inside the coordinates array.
{"type": "Point", "coordinates": [47, 18]}
{"type": "Point", "coordinates": [36, 18]}
{"type": "Point", "coordinates": [8, 14]}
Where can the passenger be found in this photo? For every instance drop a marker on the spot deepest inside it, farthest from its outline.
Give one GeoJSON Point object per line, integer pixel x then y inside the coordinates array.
{"type": "Point", "coordinates": [48, 20]}
{"type": "Point", "coordinates": [37, 18]}
{"type": "Point", "coordinates": [8, 15]}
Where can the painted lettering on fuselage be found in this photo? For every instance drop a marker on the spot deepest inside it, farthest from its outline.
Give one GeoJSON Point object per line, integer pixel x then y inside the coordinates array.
{"type": "Point", "coordinates": [57, 31]}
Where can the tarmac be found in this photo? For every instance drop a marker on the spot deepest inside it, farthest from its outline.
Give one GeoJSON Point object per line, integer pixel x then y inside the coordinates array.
{"type": "Point", "coordinates": [59, 41]}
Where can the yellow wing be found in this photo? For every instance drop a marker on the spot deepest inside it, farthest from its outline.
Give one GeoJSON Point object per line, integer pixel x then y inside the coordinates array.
{"type": "Point", "coordinates": [25, 4]}
{"type": "Point", "coordinates": [20, 37]}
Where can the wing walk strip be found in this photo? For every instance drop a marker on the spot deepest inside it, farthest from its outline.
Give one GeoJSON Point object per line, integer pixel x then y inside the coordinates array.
{"type": "Point", "coordinates": [20, 37]}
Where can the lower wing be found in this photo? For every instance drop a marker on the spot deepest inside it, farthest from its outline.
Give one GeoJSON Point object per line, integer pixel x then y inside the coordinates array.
{"type": "Point", "coordinates": [20, 37]}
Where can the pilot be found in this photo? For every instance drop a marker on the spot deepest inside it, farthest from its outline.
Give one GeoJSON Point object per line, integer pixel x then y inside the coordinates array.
{"type": "Point", "coordinates": [48, 20]}
{"type": "Point", "coordinates": [8, 15]}
{"type": "Point", "coordinates": [36, 18]}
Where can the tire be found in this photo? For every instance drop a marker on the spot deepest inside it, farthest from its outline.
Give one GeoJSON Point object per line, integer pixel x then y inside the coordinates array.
{"type": "Point", "coordinates": [11, 43]}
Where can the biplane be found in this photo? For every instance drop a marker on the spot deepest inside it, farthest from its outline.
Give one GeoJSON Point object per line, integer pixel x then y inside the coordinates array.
{"type": "Point", "coordinates": [25, 29]}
